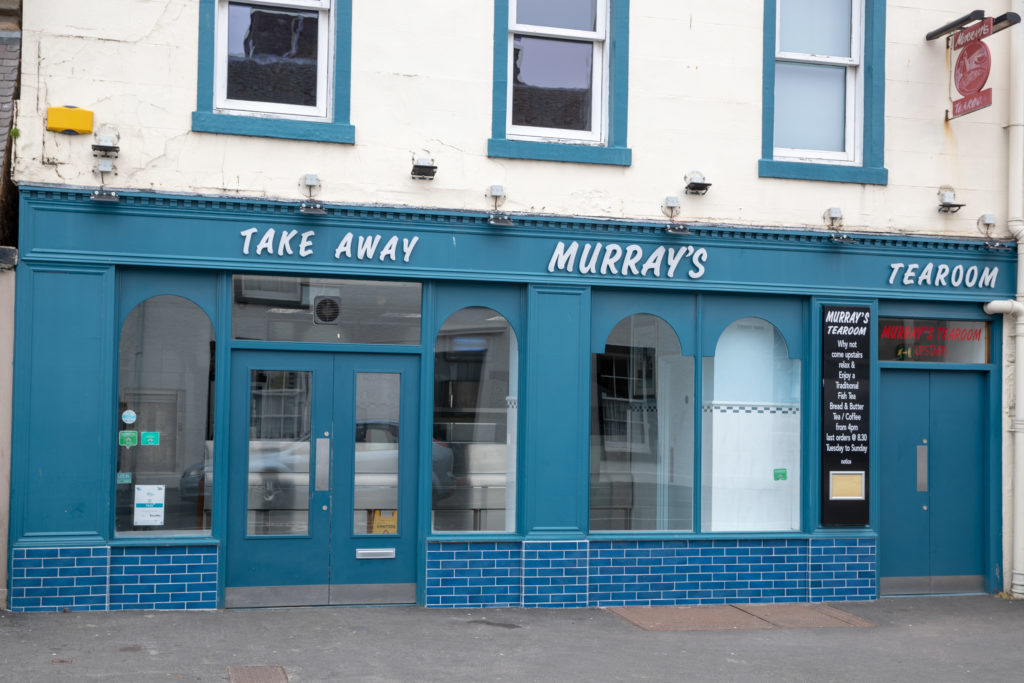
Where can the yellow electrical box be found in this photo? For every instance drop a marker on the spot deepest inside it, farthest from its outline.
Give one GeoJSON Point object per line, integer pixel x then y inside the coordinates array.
{"type": "Point", "coordinates": [69, 120]}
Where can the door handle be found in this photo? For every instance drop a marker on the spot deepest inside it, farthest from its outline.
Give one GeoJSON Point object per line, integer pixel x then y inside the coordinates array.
{"type": "Point", "coordinates": [922, 469]}
{"type": "Point", "coordinates": [323, 464]}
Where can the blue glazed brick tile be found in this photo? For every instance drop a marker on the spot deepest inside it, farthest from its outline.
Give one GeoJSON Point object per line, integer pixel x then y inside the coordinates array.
{"type": "Point", "coordinates": [42, 552]}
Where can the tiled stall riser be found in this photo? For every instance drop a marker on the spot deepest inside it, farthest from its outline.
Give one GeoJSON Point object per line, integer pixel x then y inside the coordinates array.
{"type": "Point", "coordinates": [610, 573]}
{"type": "Point", "coordinates": [114, 578]}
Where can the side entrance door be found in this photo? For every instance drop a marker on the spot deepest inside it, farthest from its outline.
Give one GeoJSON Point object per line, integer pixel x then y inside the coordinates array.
{"type": "Point", "coordinates": [934, 449]}
{"type": "Point", "coordinates": [322, 479]}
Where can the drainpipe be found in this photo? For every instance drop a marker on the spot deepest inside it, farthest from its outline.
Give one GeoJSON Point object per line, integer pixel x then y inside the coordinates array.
{"type": "Point", "coordinates": [1015, 222]}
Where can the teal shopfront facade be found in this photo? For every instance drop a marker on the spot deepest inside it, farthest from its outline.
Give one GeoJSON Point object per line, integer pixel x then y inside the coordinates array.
{"type": "Point", "coordinates": [225, 403]}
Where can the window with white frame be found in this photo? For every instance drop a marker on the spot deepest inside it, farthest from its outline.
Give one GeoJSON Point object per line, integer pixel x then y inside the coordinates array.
{"type": "Point", "coordinates": [274, 58]}
{"type": "Point", "coordinates": [558, 70]}
{"type": "Point", "coordinates": [819, 81]}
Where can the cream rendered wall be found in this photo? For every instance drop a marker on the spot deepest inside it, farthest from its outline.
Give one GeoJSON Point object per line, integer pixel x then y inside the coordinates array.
{"type": "Point", "coordinates": [422, 80]}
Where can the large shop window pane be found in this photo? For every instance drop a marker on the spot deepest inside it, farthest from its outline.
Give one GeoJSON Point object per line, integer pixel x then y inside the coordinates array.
{"type": "Point", "coordinates": [750, 474]}
{"type": "Point", "coordinates": [165, 418]}
{"type": "Point", "coordinates": [280, 412]}
{"type": "Point", "coordinates": [476, 384]}
{"type": "Point", "coordinates": [279, 308]}
{"type": "Point", "coordinates": [641, 436]}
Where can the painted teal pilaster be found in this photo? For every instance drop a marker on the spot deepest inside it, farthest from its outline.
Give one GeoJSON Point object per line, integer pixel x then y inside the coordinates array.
{"type": "Point", "coordinates": [557, 409]}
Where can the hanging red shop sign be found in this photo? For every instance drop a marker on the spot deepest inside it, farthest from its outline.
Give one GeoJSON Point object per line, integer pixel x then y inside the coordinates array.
{"type": "Point", "coordinates": [972, 69]}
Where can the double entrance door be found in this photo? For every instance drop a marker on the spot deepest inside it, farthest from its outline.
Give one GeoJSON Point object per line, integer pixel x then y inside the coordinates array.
{"type": "Point", "coordinates": [322, 479]}
{"type": "Point", "coordinates": [934, 450]}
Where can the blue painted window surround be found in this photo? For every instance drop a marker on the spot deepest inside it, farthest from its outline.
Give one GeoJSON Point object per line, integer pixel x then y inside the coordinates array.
{"type": "Point", "coordinates": [208, 120]}
{"type": "Point", "coordinates": [870, 169]}
{"type": "Point", "coordinates": [614, 151]}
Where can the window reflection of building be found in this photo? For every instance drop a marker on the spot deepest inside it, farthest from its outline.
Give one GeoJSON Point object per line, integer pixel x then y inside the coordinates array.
{"type": "Point", "coordinates": [475, 414]}
{"type": "Point", "coordinates": [641, 453]}
{"type": "Point", "coordinates": [166, 377]}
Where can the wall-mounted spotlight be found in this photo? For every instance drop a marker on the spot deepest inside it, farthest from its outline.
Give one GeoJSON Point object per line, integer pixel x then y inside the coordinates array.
{"type": "Point", "coordinates": [986, 224]}
{"type": "Point", "coordinates": [423, 167]}
{"type": "Point", "coordinates": [947, 200]}
{"type": "Point", "coordinates": [696, 183]}
{"type": "Point", "coordinates": [105, 149]}
{"type": "Point", "coordinates": [833, 219]}
{"type": "Point", "coordinates": [497, 218]}
{"type": "Point", "coordinates": [311, 182]}
{"type": "Point", "coordinates": [670, 207]}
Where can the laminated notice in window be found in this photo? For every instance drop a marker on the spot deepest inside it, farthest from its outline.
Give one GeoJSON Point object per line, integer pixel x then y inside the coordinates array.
{"type": "Point", "coordinates": [149, 506]}
{"type": "Point", "coordinates": [846, 486]}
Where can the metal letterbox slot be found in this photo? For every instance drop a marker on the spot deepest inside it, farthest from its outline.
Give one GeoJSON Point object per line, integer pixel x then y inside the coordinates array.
{"type": "Point", "coordinates": [323, 464]}
{"type": "Point", "coordinates": [375, 553]}
{"type": "Point", "coordinates": [922, 468]}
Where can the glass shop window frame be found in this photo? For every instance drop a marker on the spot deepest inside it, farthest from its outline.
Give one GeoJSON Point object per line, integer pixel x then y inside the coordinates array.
{"type": "Point", "coordinates": [322, 111]}
{"type": "Point", "coordinates": [631, 406]}
{"type": "Point", "coordinates": [599, 78]}
{"type": "Point", "coordinates": [157, 395]}
{"type": "Point", "coordinates": [512, 431]}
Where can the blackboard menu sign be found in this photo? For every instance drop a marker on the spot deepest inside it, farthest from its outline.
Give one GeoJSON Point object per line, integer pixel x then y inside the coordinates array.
{"type": "Point", "coordinates": [845, 399]}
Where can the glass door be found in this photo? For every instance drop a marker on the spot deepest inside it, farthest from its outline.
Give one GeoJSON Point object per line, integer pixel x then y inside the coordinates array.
{"type": "Point", "coordinates": [322, 479]}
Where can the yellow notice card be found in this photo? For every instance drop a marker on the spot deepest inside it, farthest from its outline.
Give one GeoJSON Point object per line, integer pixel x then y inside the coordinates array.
{"type": "Point", "coordinates": [847, 486]}
{"type": "Point", "coordinates": [384, 522]}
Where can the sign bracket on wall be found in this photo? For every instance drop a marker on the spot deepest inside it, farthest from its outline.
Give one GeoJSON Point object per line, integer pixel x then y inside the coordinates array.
{"type": "Point", "coordinates": [974, 61]}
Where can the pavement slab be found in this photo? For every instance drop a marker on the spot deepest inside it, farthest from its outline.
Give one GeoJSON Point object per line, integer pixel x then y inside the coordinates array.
{"type": "Point", "coordinates": [738, 617]}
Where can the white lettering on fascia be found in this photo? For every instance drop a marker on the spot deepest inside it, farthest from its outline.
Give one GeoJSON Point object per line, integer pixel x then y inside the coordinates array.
{"type": "Point", "coordinates": [943, 275]}
{"type": "Point", "coordinates": [631, 260]}
{"type": "Point", "coordinates": [271, 242]}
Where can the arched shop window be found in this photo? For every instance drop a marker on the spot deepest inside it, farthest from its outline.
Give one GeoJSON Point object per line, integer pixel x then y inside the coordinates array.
{"type": "Point", "coordinates": [476, 385]}
{"type": "Point", "coordinates": [641, 435]}
{"type": "Point", "coordinates": [165, 413]}
{"type": "Point", "coordinates": [750, 475]}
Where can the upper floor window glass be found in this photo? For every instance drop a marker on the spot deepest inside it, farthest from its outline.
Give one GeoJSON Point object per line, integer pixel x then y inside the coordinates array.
{"type": "Point", "coordinates": [275, 68]}
{"type": "Point", "coordinates": [818, 80]}
{"type": "Point", "coordinates": [561, 73]}
{"type": "Point", "coordinates": [824, 85]}
{"type": "Point", "coordinates": [274, 58]}
{"type": "Point", "coordinates": [557, 69]}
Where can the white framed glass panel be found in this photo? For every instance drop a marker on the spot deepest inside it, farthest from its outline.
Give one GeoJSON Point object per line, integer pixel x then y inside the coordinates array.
{"type": "Point", "coordinates": [280, 410]}
{"type": "Point", "coordinates": [557, 70]}
{"type": "Point", "coordinates": [816, 27]}
{"type": "Point", "coordinates": [274, 57]}
{"type": "Point", "coordinates": [476, 408]}
{"type": "Point", "coordinates": [164, 483]}
{"type": "Point", "coordinates": [377, 437]}
{"type": "Point", "coordinates": [810, 106]}
{"type": "Point", "coordinates": [580, 15]}
{"type": "Point", "coordinates": [750, 465]}
{"type": "Point", "coordinates": [641, 436]}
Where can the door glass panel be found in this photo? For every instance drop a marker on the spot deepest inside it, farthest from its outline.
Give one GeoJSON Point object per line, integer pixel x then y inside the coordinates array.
{"type": "Point", "coordinates": [933, 341]}
{"type": "Point", "coordinates": [375, 499]}
{"type": "Point", "coordinates": [280, 409]}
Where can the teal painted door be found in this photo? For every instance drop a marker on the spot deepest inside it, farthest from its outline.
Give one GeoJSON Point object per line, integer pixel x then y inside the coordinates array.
{"type": "Point", "coordinates": [932, 469]}
{"type": "Point", "coordinates": [322, 479]}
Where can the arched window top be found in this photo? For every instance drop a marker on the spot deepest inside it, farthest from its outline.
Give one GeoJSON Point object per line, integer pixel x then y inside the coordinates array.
{"type": "Point", "coordinates": [752, 363]}
{"type": "Point", "coordinates": [479, 318]}
{"type": "Point", "coordinates": [644, 330]}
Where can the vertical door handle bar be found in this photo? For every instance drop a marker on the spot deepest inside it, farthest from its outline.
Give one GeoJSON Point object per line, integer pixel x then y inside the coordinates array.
{"type": "Point", "coordinates": [922, 469]}
{"type": "Point", "coordinates": [323, 464]}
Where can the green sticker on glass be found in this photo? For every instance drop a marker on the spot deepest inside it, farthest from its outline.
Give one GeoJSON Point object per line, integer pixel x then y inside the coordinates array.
{"type": "Point", "coordinates": [124, 477]}
{"type": "Point", "coordinates": [128, 438]}
{"type": "Point", "coordinates": [150, 438]}
{"type": "Point", "coordinates": [780, 474]}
